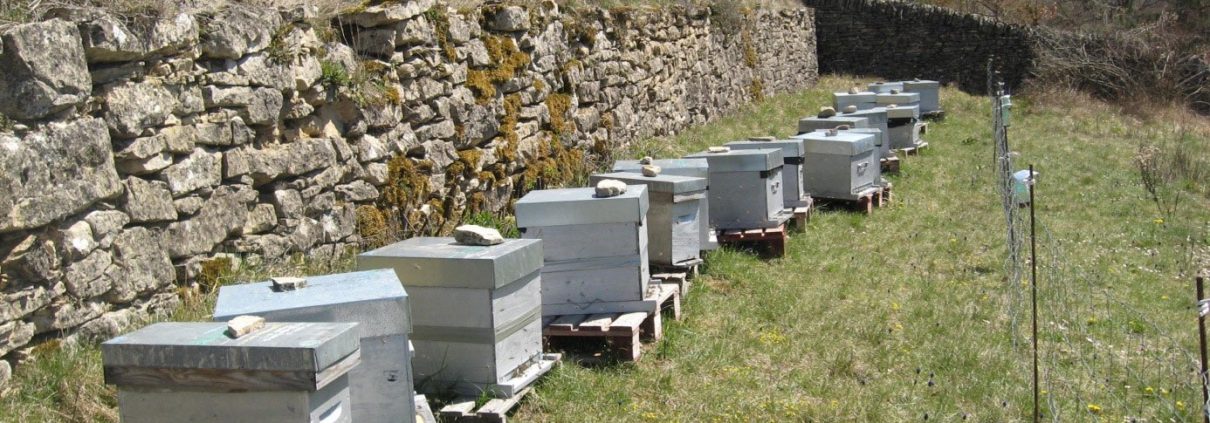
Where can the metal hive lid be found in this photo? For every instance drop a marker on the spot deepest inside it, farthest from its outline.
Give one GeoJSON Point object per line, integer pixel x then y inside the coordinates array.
{"type": "Point", "coordinates": [671, 184]}
{"type": "Point", "coordinates": [789, 147]}
{"type": "Point", "coordinates": [921, 85]}
{"type": "Point", "coordinates": [441, 262]}
{"type": "Point", "coordinates": [901, 98]}
{"type": "Point", "coordinates": [758, 160]}
{"type": "Point", "coordinates": [834, 121]}
{"type": "Point", "coordinates": [356, 289]}
{"type": "Point", "coordinates": [861, 97]}
{"type": "Point", "coordinates": [846, 143]}
{"type": "Point", "coordinates": [698, 168]}
{"type": "Point", "coordinates": [876, 115]}
{"type": "Point", "coordinates": [304, 347]}
{"type": "Point", "coordinates": [903, 112]}
{"type": "Point", "coordinates": [884, 87]}
{"type": "Point", "coordinates": [579, 206]}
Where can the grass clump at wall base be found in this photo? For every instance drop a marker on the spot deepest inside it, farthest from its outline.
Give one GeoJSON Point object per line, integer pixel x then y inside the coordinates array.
{"type": "Point", "coordinates": [214, 273]}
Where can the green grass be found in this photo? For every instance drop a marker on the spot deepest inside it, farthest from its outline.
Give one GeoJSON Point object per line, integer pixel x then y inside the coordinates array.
{"type": "Point", "coordinates": [863, 312]}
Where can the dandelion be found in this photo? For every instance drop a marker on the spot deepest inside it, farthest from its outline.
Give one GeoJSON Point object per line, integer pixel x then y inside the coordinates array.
{"type": "Point", "coordinates": [835, 403]}
{"type": "Point", "coordinates": [1158, 221]}
{"type": "Point", "coordinates": [1164, 297]}
{"type": "Point", "coordinates": [1148, 391]}
{"type": "Point", "coordinates": [1180, 405]}
{"type": "Point", "coordinates": [1094, 409]}
{"type": "Point", "coordinates": [650, 416]}
{"type": "Point", "coordinates": [1092, 321]}
{"type": "Point", "coordinates": [772, 337]}
{"type": "Point", "coordinates": [895, 306]}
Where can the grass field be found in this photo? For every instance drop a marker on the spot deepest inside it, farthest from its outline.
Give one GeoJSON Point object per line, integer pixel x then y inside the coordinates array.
{"type": "Point", "coordinates": [906, 315]}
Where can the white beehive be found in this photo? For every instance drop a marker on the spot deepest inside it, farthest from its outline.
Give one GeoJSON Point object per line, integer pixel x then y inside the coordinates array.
{"type": "Point", "coordinates": [930, 94]}
{"type": "Point", "coordinates": [862, 100]}
{"type": "Point", "coordinates": [898, 99]}
{"type": "Point", "coordinates": [793, 195]}
{"type": "Point", "coordinates": [746, 188]}
{"type": "Point", "coordinates": [814, 123]}
{"type": "Point", "coordinates": [673, 219]}
{"type": "Point", "coordinates": [878, 119]}
{"type": "Point", "coordinates": [881, 87]}
{"type": "Point", "coordinates": [903, 123]}
{"type": "Point", "coordinates": [594, 249]}
{"type": "Point", "coordinates": [840, 164]}
{"type": "Point", "coordinates": [695, 168]}
{"type": "Point", "coordinates": [381, 386]}
{"type": "Point", "coordinates": [196, 372]}
{"type": "Point", "coordinates": [476, 312]}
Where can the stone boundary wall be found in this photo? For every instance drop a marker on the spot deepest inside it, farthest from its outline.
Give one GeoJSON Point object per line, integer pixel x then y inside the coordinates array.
{"type": "Point", "coordinates": [141, 155]}
{"type": "Point", "coordinates": [900, 40]}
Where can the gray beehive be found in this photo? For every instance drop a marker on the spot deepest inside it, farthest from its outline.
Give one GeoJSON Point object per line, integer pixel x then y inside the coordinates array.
{"type": "Point", "coordinates": [840, 165]}
{"type": "Point", "coordinates": [813, 123]}
{"type": "Point", "coordinates": [695, 168]}
{"type": "Point", "coordinates": [381, 386]}
{"type": "Point", "coordinates": [476, 311]}
{"type": "Point", "coordinates": [195, 372]}
{"type": "Point", "coordinates": [594, 249]}
{"type": "Point", "coordinates": [745, 188]}
{"type": "Point", "coordinates": [791, 174]}
{"type": "Point", "coordinates": [673, 220]}
{"type": "Point", "coordinates": [900, 99]}
{"type": "Point", "coordinates": [881, 87]}
{"type": "Point", "coordinates": [878, 119]}
{"type": "Point", "coordinates": [903, 123]}
{"type": "Point", "coordinates": [930, 94]}
{"type": "Point", "coordinates": [863, 100]}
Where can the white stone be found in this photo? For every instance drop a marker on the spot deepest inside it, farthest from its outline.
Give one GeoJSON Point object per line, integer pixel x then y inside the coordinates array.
{"type": "Point", "coordinates": [610, 188]}
{"type": "Point", "coordinates": [477, 235]}
{"type": "Point", "coordinates": [651, 171]}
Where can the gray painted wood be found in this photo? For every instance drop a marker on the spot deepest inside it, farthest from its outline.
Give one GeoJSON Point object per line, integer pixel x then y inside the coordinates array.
{"type": "Point", "coordinates": [331, 404]}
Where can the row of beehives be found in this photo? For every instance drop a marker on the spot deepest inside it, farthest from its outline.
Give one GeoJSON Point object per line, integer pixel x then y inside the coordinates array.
{"type": "Point", "coordinates": [464, 315]}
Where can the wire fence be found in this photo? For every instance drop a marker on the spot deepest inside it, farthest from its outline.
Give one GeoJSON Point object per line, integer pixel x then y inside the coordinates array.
{"type": "Point", "coordinates": [1101, 356]}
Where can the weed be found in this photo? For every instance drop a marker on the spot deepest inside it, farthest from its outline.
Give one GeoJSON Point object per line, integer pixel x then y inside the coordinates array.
{"type": "Point", "coordinates": [334, 74]}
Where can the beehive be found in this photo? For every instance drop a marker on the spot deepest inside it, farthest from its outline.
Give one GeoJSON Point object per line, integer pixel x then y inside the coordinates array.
{"type": "Point", "coordinates": [898, 99]}
{"type": "Point", "coordinates": [476, 311]}
{"type": "Point", "coordinates": [862, 100]}
{"type": "Point", "coordinates": [881, 87]}
{"type": "Point", "coordinates": [877, 117]}
{"type": "Point", "coordinates": [814, 123]}
{"type": "Point", "coordinates": [840, 164]}
{"type": "Point", "coordinates": [673, 219]}
{"type": "Point", "coordinates": [695, 168]}
{"type": "Point", "coordinates": [594, 249]}
{"type": "Point", "coordinates": [745, 188]}
{"type": "Point", "coordinates": [791, 174]}
{"type": "Point", "coordinates": [903, 123]}
{"type": "Point", "coordinates": [381, 386]}
{"type": "Point", "coordinates": [195, 372]}
{"type": "Point", "coordinates": [930, 94]}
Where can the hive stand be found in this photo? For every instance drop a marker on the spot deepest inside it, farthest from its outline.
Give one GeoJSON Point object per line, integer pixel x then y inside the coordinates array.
{"type": "Point", "coordinates": [772, 240]}
{"type": "Point", "coordinates": [802, 214]}
{"type": "Point", "coordinates": [620, 331]}
{"type": "Point", "coordinates": [866, 200]}
{"type": "Point", "coordinates": [495, 410]}
{"type": "Point", "coordinates": [890, 164]}
{"type": "Point", "coordinates": [913, 151]}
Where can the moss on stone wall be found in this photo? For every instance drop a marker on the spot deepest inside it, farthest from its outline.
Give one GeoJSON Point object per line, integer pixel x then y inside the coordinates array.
{"type": "Point", "coordinates": [441, 28]}
{"type": "Point", "coordinates": [372, 226]}
{"type": "Point", "coordinates": [508, 62]}
{"type": "Point", "coordinates": [558, 104]}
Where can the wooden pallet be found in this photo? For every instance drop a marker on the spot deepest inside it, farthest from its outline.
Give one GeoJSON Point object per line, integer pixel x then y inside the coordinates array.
{"type": "Point", "coordinates": [622, 332]}
{"type": "Point", "coordinates": [802, 215]}
{"type": "Point", "coordinates": [912, 151]}
{"type": "Point", "coordinates": [424, 413]}
{"type": "Point", "coordinates": [681, 275]}
{"type": "Point", "coordinates": [772, 239]}
{"type": "Point", "coordinates": [865, 201]}
{"type": "Point", "coordinates": [890, 164]}
{"type": "Point", "coordinates": [495, 410]}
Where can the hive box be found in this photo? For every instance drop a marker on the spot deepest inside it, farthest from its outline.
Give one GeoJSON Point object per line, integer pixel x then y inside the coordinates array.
{"type": "Point", "coordinates": [930, 94]}
{"type": "Point", "coordinates": [904, 126]}
{"type": "Point", "coordinates": [863, 100]}
{"type": "Point", "coordinates": [746, 188]}
{"type": "Point", "coordinates": [900, 99]}
{"type": "Point", "coordinates": [673, 219]}
{"type": "Point", "coordinates": [877, 119]}
{"type": "Point", "coordinates": [840, 165]}
{"type": "Point", "coordinates": [791, 173]}
{"type": "Point", "coordinates": [476, 312]}
{"type": "Point", "coordinates": [594, 249]}
{"type": "Point", "coordinates": [813, 123]}
{"type": "Point", "coordinates": [381, 386]}
{"type": "Point", "coordinates": [884, 87]}
{"type": "Point", "coordinates": [194, 372]}
{"type": "Point", "coordinates": [696, 168]}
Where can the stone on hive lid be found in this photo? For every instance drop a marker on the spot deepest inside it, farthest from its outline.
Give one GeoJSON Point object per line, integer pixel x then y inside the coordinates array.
{"type": "Point", "coordinates": [850, 109]}
{"type": "Point", "coordinates": [651, 171]}
{"type": "Point", "coordinates": [854, 90]}
{"type": "Point", "coordinates": [610, 188]}
{"type": "Point", "coordinates": [646, 160]}
{"type": "Point", "coordinates": [827, 112]}
{"type": "Point", "coordinates": [723, 149]}
{"type": "Point", "coordinates": [477, 235]}
{"type": "Point", "coordinates": [287, 283]}
{"type": "Point", "coordinates": [243, 325]}
{"type": "Point", "coordinates": [894, 91]}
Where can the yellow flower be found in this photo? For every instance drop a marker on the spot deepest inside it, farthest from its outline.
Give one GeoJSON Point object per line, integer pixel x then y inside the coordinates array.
{"type": "Point", "coordinates": [1043, 392]}
{"type": "Point", "coordinates": [772, 337]}
{"type": "Point", "coordinates": [1094, 409]}
{"type": "Point", "coordinates": [1159, 221]}
{"type": "Point", "coordinates": [1180, 405]}
{"type": "Point", "coordinates": [835, 403]}
{"type": "Point", "coordinates": [898, 326]}
{"type": "Point", "coordinates": [650, 416]}
{"type": "Point", "coordinates": [895, 306]}
{"type": "Point", "coordinates": [1148, 390]}
{"type": "Point", "coordinates": [1163, 297]}
{"type": "Point", "coordinates": [1092, 321]}
{"type": "Point", "coordinates": [1164, 391]}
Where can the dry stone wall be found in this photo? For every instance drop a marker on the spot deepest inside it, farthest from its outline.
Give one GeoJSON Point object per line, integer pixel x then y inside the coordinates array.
{"type": "Point", "coordinates": [903, 40]}
{"type": "Point", "coordinates": [139, 154]}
